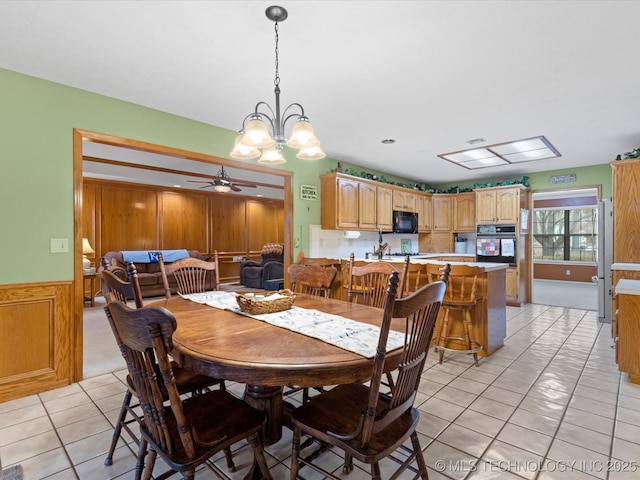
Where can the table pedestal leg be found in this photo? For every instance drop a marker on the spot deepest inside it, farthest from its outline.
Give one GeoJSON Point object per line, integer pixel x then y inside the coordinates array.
{"type": "Point", "coordinates": [269, 401]}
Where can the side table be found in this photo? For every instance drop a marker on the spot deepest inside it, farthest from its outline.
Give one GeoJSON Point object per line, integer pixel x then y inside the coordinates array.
{"type": "Point", "coordinates": [92, 284]}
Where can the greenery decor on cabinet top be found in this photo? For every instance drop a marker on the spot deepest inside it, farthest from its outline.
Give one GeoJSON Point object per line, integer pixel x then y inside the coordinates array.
{"type": "Point", "coordinates": [632, 154]}
{"type": "Point", "coordinates": [422, 187]}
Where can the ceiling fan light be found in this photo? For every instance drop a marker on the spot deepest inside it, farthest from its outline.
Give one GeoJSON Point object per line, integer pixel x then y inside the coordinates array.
{"type": "Point", "coordinates": [311, 153]}
{"type": "Point", "coordinates": [243, 152]}
{"type": "Point", "coordinates": [222, 188]}
{"type": "Point", "coordinates": [302, 135]}
{"type": "Point", "coordinates": [257, 134]}
{"type": "Point", "coordinates": [271, 156]}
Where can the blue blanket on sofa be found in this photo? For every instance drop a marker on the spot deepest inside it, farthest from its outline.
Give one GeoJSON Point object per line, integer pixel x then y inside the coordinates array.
{"type": "Point", "coordinates": [151, 256]}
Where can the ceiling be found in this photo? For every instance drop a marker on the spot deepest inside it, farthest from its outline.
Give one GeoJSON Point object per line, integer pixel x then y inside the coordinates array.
{"type": "Point", "coordinates": [429, 74]}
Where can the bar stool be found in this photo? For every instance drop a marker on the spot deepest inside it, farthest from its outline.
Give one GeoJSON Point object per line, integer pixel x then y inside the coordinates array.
{"type": "Point", "coordinates": [462, 296]}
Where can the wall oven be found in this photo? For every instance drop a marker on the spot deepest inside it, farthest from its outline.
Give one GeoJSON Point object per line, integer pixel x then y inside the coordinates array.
{"type": "Point", "coordinates": [497, 244]}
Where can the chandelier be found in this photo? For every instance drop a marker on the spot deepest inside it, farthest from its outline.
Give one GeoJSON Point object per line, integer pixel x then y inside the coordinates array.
{"type": "Point", "coordinates": [262, 135]}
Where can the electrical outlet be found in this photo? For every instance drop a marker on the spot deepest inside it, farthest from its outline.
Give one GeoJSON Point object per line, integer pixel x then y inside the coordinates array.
{"type": "Point", "coordinates": [59, 245]}
{"type": "Point", "coordinates": [568, 272]}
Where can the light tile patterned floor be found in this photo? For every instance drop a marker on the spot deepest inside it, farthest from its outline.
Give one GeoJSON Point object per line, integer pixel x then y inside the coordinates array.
{"type": "Point", "coordinates": [550, 404]}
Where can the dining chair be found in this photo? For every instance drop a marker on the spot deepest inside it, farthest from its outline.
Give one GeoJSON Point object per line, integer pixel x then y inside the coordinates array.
{"type": "Point", "coordinates": [121, 289]}
{"type": "Point", "coordinates": [356, 418]}
{"type": "Point", "coordinates": [313, 280]}
{"type": "Point", "coordinates": [187, 381]}
{"type": "Point", "coordinates": [368, 283]}
{"type": "Point", "coordinates": [191, 274]}
{"type": "Point", "coordinates": [184, 433]}
{"type": "Point", "coordinates": [320, 261]}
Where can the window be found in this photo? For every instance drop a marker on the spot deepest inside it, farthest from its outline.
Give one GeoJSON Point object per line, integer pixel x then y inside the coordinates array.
{"type": "Point", "coordinates": [569, 235]}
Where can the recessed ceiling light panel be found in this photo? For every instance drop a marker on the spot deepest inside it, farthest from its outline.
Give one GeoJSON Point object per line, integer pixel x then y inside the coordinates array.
{"type": "Point", "coordinates": [526, 150]}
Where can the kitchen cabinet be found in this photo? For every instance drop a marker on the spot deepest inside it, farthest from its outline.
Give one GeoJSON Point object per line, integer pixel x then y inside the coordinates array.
{"type": "Point", "coordinates": [499, 204]}
{"type": "Point", "coordinates": [404, 200]}
{"type": "Point", "coordinates": [626, 211]}
{"type": "Point", "coordinates": [628, 328]}
{"type": "Point", "coordinates": [464, 212]}
{"type": "Point", "coordinates": [424, 209]}
{"type": "Point", "coordinates": [512, 286]}
{"type": "Point", "coordinates": [367, 202]}
{"type": "Point", "coordinates": [384, 209]}
{"type": "Point", "coordinates": [442, 212]}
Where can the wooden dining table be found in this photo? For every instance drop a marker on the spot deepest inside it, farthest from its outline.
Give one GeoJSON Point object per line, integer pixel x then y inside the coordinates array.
{"type": "Point", "coordinates": [228, 345]}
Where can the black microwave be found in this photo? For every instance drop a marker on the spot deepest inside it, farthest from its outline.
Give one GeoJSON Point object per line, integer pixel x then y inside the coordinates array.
{"type": "Point", "coordinates": [405, 222]}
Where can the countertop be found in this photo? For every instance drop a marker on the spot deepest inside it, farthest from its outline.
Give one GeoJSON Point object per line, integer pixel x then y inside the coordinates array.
{"type": "Point", "coordinates": [625, 266]}
{"type": "Point", "coordinates": [629, 287]}
{"type": "Point", "coordinates": [427, 258]}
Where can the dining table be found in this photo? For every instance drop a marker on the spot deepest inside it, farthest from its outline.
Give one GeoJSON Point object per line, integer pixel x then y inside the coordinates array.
{"type": "Point", "coordinates": [266, 358]}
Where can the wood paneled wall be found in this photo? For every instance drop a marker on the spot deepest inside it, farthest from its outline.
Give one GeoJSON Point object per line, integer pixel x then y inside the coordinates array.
{"type": "Point", "coordinates": [124, 216]}
{"type": "Point", "coordinates": [36, 333]}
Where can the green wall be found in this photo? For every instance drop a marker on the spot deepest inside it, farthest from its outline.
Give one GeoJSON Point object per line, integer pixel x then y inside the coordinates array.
{"type": "Point", "coordinates": [585, 176]}
{"type": "Point", "coordinates": [37, 119]}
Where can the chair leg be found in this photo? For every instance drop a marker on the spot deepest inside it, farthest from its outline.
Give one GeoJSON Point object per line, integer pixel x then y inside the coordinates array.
{"type": "Point", "coordinates": [375, 471]}
{"type": "Point", "coordinates": [295, 452]}
{"type": "Point", "coordinates": [227, 455]}
{"type": "Point", "coordinates": [422, 465]}
{"type": "Point", "coordinates": [117, 429]}
{"type": "Point", "coordinates": [467, 334]}
{"type": "Point", "coordinates": [142, 452]}
{"type": "Point", "coordinates": [258, 454]}
{"type": "Point", "coordinates": [348, 463]}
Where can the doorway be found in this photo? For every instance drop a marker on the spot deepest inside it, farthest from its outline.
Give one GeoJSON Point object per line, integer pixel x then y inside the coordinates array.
{"type": "Point", "coordinates": [83, 137]}
{"type": "Point", "coordinates": [565, 247]}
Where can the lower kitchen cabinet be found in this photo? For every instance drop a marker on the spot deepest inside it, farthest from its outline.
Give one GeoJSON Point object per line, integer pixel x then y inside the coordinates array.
{"type": "Point", "coordinates": [627, 327]}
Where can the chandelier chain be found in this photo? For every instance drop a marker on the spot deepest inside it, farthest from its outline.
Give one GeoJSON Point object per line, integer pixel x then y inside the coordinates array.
{"type": "Point", "coordinates": [276, 80]}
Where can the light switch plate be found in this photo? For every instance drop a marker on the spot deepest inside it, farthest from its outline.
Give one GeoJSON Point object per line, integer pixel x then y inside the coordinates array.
{"type": "Point", "coordinates": [59, 245]}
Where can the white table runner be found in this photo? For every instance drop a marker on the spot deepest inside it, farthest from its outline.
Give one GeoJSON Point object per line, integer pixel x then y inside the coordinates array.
{"type": "Point", "coordinates": [357, 337]}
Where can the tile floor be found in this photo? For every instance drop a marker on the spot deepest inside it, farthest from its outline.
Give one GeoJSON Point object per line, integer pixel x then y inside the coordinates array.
{"type": "Point", "coordinates": [548, 405]}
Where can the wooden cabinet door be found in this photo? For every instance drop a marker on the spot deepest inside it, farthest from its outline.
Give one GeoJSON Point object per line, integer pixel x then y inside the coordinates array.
{"type": "Point", "coordinates": [423, 207]}
{"type": "Point", "coordinates": [464, 212]}
{"type": "Point", "coordinates": [626, 214]}
{"type": "Point", "coordinates": [512, 285]}
{"type": "Point", "coordinates": [348, 204]}
{"type": "Point", "coordinates": [384, 208]}
{"type": "Point", "coordinates": [404, 201]}
{"type": "Point", "coordinates": [486, 207]}
{"type": "Point", "coordinates": [367, 217]}
{"type": "Point", "coordinates": [442, 212]}
{"type": "Point", "coordinates": [508, 205]}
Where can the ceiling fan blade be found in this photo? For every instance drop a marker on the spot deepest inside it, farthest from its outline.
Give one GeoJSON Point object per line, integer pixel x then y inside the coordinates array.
{"type": "Point", "coordinates": [199, 181]}
{"type": "Point", "coordinates": [234, 188]}
{"type": "Point", "coordinates": [248, 185]}
{"type": "Point", "coordinates": [207, 186]}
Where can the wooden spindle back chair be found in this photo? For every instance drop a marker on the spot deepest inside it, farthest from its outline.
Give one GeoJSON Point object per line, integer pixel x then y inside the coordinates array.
{"type": "Point", "coordinates": [190, 274]}
{"type": "Point", "coordinates": [312, 279]}
{"type": "Point", "coordinates": [357, 418]}
{"type": "Point", "coordinates": [185, 433]}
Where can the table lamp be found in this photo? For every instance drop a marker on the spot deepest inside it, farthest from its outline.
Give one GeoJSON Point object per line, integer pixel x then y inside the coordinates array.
{"type": "Point", "coordinates": [86, 249]}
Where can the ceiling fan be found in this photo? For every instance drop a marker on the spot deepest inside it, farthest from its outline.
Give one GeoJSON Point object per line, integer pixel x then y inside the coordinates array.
{"type": "Point", "coordinates": [223, 183]}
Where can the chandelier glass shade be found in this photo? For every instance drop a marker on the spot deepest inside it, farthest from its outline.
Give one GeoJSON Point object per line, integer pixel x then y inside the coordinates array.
{"type": "Point", "coordinates": [263, 132]}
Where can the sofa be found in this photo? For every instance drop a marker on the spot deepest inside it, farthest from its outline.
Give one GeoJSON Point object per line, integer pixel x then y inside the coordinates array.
{"type": "Point", "coordinates": [149, 275]}
{"type": "Point", "coordinates": [271, 266]}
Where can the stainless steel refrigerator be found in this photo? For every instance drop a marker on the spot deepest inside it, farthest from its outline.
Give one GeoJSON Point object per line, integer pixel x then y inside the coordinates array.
{"type": "Point", "coordinates": [605, 259]}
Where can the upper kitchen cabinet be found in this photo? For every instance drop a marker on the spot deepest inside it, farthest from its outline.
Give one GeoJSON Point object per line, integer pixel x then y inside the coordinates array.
{"type": "Point", "coordinates": [424, 209]}
{"type": "Point", "coordinates": [352, 204]}
{"type": "Point", "coordinates": [384, 210]}
{"type": "Point", "coordinates": [339, 209]}
{"type": "Point", "coordinates": [464, 212]}
{"type": "Point", "coordinates": [367, 202]}
{"type": "Point", "coordinates": [500, 204]}
{"type": "Point", "coordinates": [442, 212]}
{"type": "Point", "coordinates": [626, 211]}
{"type": "Point", "coordinates": [404, 200]}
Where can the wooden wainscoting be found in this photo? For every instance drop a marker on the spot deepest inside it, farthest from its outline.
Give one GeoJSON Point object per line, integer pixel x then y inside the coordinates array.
{"type": "Point", "coordinates": [36, 338]}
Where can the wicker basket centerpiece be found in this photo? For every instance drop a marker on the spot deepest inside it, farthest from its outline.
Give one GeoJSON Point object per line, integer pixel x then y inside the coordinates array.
{"type": "Point", "coordinates": [257, 304]}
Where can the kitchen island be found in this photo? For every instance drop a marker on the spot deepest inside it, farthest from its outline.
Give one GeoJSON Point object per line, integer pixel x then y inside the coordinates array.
{"type": "Point", "coordinates": [490, 315]}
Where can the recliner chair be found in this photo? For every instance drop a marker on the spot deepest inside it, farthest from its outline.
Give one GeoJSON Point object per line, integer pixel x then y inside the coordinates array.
{"type": "Point", "coordinates": [255, 274]}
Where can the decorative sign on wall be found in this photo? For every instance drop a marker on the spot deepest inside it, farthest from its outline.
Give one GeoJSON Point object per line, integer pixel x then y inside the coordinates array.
{"type": "Point", "coordinates": [308, 192]}
{"type": "Point", "coordinates": [571, 177]}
